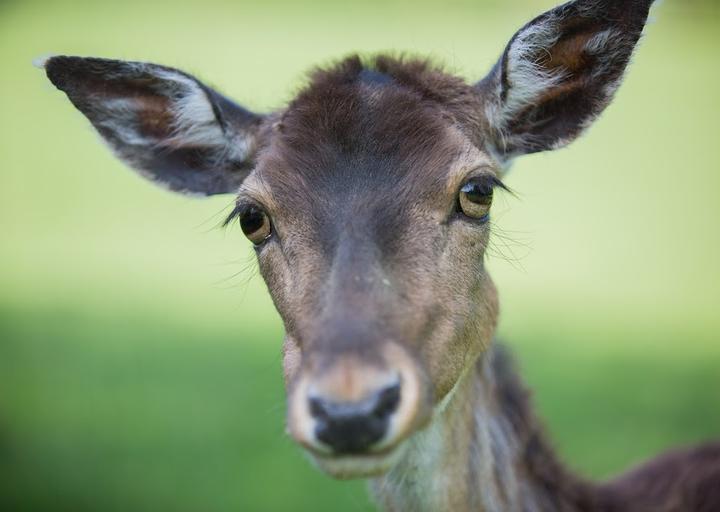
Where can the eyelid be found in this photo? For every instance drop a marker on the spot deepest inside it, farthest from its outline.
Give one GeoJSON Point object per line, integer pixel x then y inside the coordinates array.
{"type": "Point", "coordinates": [240, 205]}
{"type": "Point", "coordinates": [486, 174]}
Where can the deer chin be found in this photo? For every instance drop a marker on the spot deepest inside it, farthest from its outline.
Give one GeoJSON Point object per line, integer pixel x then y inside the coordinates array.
{"type": "Point", "coordinates": [368, 465]}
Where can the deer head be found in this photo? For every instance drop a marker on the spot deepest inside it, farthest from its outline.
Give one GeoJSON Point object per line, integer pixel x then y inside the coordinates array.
{"type": "Point", "coordinates": [368, 203]}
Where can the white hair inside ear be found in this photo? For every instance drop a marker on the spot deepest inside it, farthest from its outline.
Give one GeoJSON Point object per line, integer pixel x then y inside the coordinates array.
{"type": "Point", "coordinates": [166, 124]}
{"type": "Point", "coordinates": [558, 73]}
{"type": "Point", "coordinates": [526, 78]}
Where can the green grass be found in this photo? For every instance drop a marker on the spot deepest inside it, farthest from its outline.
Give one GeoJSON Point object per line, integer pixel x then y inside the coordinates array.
{"type": "Point", "coordinates": [128, 412]}
{"type": "Point", "coordinates": [139, 362]}
{"type": "Point", "coordinates": [131, 414]}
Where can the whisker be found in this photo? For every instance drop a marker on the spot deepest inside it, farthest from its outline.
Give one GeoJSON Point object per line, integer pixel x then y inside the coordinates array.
{"type": "Point", "coordinates": [248, 269]}
{"type": "Point", "coordinates": [504, 246]}
{"type": "Point", "coordinates": [213, 219]}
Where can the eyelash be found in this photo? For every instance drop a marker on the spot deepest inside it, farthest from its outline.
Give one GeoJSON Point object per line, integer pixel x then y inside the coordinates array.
{"type": "Point", "coordinates": [496, 182]}
{"type": "Point", "coordinates": [234, 214]}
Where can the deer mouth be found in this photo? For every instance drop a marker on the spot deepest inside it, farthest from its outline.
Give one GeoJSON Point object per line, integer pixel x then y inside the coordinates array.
{"type": "Point", "coordinates": [361, 465]}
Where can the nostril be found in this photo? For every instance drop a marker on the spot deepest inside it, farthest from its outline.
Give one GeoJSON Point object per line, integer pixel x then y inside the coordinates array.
{"type": "Point", "coordinates": [354, 427]}
{"type": "Point", "coordinates": [318, 409]}
{"type": "Point", "coordinates": [387, 402]}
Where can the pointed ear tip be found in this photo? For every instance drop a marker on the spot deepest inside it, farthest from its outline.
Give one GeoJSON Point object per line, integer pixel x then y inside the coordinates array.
{"type": "Point", "coordinates": [41, 62]}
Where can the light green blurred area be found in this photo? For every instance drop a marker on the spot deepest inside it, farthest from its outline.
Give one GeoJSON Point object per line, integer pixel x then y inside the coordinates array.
{"type": "Point", "coordinates": [140, 352]}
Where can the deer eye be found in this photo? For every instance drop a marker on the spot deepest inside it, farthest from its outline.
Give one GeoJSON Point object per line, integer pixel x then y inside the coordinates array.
{"type": "Point", "coordinates": [475, 198]}
{"type": "Point", "coordinates": [255, 224]}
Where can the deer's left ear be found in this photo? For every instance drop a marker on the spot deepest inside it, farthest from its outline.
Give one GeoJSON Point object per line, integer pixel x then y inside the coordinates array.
{"type": "Point", "coordinates": [162, 122]}
{"type": "Point", "coordinates": [559, 72]}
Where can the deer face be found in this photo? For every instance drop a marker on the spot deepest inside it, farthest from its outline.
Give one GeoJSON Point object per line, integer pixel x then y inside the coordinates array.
{"type": "Point", "coordinates": [368, 202]}
{"type": "Point", "coordinates": [370, 231]}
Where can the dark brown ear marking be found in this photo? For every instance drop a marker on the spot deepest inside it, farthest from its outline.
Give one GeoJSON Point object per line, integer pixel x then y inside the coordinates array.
{"type": "Point", "coordinates": [166, 124]}
{"type": "Point", "coordinates": [559, 72]}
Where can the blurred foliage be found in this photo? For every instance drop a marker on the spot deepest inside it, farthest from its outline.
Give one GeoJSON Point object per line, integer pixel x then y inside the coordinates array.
{"type": "Point", "coordinates": [140, 353]}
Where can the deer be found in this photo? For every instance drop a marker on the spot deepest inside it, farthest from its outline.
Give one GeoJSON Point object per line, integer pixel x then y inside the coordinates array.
{"type": "Point", "coordinates": [367, 199]}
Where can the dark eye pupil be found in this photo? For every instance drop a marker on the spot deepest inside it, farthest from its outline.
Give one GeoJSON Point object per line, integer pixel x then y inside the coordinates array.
{"type": "Point", "coordinates": [251, 220]}
{"type": "Point", "coordinates": [478, 192]}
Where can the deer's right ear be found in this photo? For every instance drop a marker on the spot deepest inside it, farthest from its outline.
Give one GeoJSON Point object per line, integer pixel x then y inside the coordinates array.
{"type": "Point", "coordinates": [162, 122]}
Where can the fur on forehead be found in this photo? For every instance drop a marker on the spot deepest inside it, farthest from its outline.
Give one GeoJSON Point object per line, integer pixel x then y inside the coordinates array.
{"type": "Point", "coordinates": [392, 115]}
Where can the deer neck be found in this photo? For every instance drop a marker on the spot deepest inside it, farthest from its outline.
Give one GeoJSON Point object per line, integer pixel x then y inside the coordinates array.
{"type": "Point", "coordinates": [484, 451]}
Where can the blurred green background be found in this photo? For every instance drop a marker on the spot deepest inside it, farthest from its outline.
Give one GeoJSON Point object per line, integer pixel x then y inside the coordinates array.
{"type": "Point", "coordinates": [140, 353]}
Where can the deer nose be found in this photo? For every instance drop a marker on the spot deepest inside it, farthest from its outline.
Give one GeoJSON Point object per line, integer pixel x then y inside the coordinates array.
{"type": "Point", "coordinates": [354, 427]}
